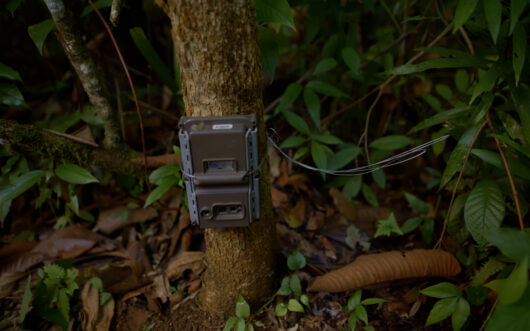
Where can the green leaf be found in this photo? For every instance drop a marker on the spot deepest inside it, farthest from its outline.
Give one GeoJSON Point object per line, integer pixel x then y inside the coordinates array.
{"type": "Point", "coordinates": [344, 156]}
{"type": "Point", "coordinates": [326, 89]}
{"type": "Point", "coordinates": [516, 9]}
{"type": "Point", "coordinates": [74, 174]}
{"type": "Point", "coordinates": [352, 187]}
{"type": "Point", "coordinates": [461, 80]}
{"type": "Point", "coordinates": [295, 285]}
{"type": "Point", "coordinates": [361, 313]}
{"type": "Point", "coordinates": [240, 325]}
{"type": "Point", "coordinates": [411, 224]}
{"type": "Point", "coordinates": [415, 203]}
{"type": "Point", "coordinates": [390, 143]}
{"type": "Point", "coordinates": [165, 173]}
{"type": "Point", "coordinates": [514, 286]}
{"type": "Point", "coordinates": [97, 283]}
{"type": "Point", "coordinates": [439, 118]}
{"type": "Point", "coordinates": [12, 5]}
{"type": "Point", "coordinates": [63, 304]}
{"type": "Point", "coordinates": [294, 305]}
{"type": "Point", "coordinates": [325, 65]}
{"type": "Point", "coordinates": [280, 310]}
{"type": "Point", "coordinates": [486, 83]}
{"type": "Point", "coordinates": [159, 191]}
{"type": "Point", "coordinates": [312, 103]}
{"type": "Point", "coordinates": [444, 91]}
{"type": "Point", "coordinates": [386, 227]}
{"type": "Point", "coordinates": [318, 153]}
{"type": "Point", "coordinates": [493, 12]}
{"type": "Point", "coordinates": [9, 73]}
{"type": "Point", "coordinates": [457, 157]}
{"type": "Point", "coordinates": [230, 323]}
{"type": "Point", "coordinates": [296, 261]}
{"type": "Point", "coordinates": [516, 167]}
{"type": "Point", "coordinates": [86, 215]}
{"type": "Point", "coordinates": [441, 63]}
{"type": "Point", "coordinates": [441, 310]}
{"type": "Point", "coordinates": [152, 57]}
{"type": "Point", "coordinates": [511, 317]}
{"type": "Point", "coordinates": [379, 177]}
{"type": "Point", "coordinates": [354, 300]}
{"type": "Point", "coordinates": [296, 122]}
{"type": "Point", "coordinates": [460, 315]}
{"type": "Point", "coordinates": [327, 139]}
{"type": "Point", "coordinates": [463, 12]}
{"type": "Point", "coordinates": [10, 94]}
{"type": "Point", "coordinates": [20, 185]}
{"type": "Point", "coordinates": [441, 290]}
{"type": "Point", "coordinates": [369, 195]}
{"type": "Point", "coordinates": [305, 300]}
{"type": "Point", "coordinates": [519, 51]}
{"type": "Point", "coordinates": [26, 300]}
{"type": "Point", "coordinates": [293, 142]}
{"type": "Point", "coordinates": [99, 4]}
{"type": "Point", "coordinates": [427, 230]}
{"type": "Point", "coordinates": [512, 242]}
{"type": "Point", "coordinates": [274, 11]}
{"type": "Point", "coordinates": [40, 31]}
{"type": "Point", "coordinates": [351, 58]}
{"type": "Point", "coordinates": [373, 301]}
{"type": "Point", "coordinates": [285, 288]}
{"type": "Point", "coordinates": [269, 51]}
{"type": "Point", "coordinates": [290, 95]}
{"type": "Point", "coordinates": [242, 308]}
{"type": "Point", "coordinates": [484, 209]}
{"type": "Point", "coordinates": [104, 297]}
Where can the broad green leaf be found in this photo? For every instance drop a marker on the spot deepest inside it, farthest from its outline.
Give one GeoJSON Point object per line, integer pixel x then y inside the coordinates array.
{"type": "Point", "coordinates": [290, 95]}
{"type": "Point", "coordinates": [280, 310]}
{"type": "Point", "coordinates": [159, 191]}
{"type": "Point", "coordinates": [285, 288]}
{"type": "Point", "coordinates": [516, 9]}
{"type": "Point", "coordinates": [242, 308]}
{"type": "Point", "coordinates": [230, 323]}
{"type": "Point", "coordinates": [373, 301]}
{"type": "Point", "coordinates": [152, 57]}
{"type": "Point", "coordinates": [461, 80]}
{"type": "Point", "coordinates": [12, 5]}
{"type": "Point", "coordinates": [441, 290]}
{"type": "Point", "coordinates": [10, 94]}
{"type": "Point", "coordinates": [63, 304]}
{"type": "Point", "coordinates": [352, 187]}
{"type": "Point", "coordinates": [460, 315]}
{"type": "Point", "coordinates": [379, 177]}
{"type": "Point", "coordinates": [517, 168]}
{"type": "Point", "coordinates": [519, 51]}
{"type": "Point", "coordinates": [415, 203]}
{"type": "Point", "coordinates": [293, 142]}
{"type": "Point", "coordinates": [327, 139]}
{"type": "Point", "coordinates": [295, 261]}
{"type": "Point", "coordinates": [86, 215]}
{"type": "Point", "coordinates": [354, 300]}
{"type": "Point", "coordinates": [74, 174]}
{"type": "Point", "coordinates": [484, 209]}
{"type": "Point", "coordinates": [486, 83]}
{"type": "Point", "coordinates": [325, 65]}
{"type": "Point", "coordinates": [441, 310]}
{"type": "Point", "coordinates": [351, 58]}
{"type": "Point", "coordinates": [295, 285]}
{"type": "Point", "coordinates": [390, 143]}
{"type": "Point", "coordinates": [361, 313]}
{"type": "Point", "coordinates": [456, 159]}
{"type": "Point", "coordinates": [463, 12]}
{"type": "Point", "coordinates": [164, 173]}
{"type": "Point", "coordinates": [386, 227]}
{"type": "Point", "coordinates": [411, 224]}
{"type": "Point", "coordinates": [294, 305]}
{"type": "Point", "coordinates": [269, 51]}
{"type": "Point", "coordinates": [444, 91]}
{"type": "Point", "coordinates": [318, 153]}
{"type": "Point", "coordinates": [26, 300]}
{"type": "Point", "coordinates": [439, 118]}
{"type": "Point", "coordinates": [513, 317]}
{"type": "Point", "coordinates": [493, 12]}
{"type": "Point", "coordinates": [40, 31]}
{"type": "Point", "coordinates": [312, 103]}
{"type": "Point", "coordinates": [427, 230]}
{"type": "Point", "coordinates": [326, 89]}
{"type": "Point", "coordinates": [240, 324]}
{"type": "Point", "coordinates": [305, 300]}
{"type": "Point", "coordinates": [442, 63]}
{"type": "Point", "coordinates": [9, 73]}
{"type": "Point", "coordinates": [20, 185]}
{"type": "Point", "coordinates": [514, 286]}
{"type": "Point", "coordinates": [274, 11]}
{"type": "Point", "coordinates": [296, 122]}
{"type": "Point", "coordinates": [513, 243]}
{"type": "Point", "coordinates": [343, 157]}
{"type": "Point", "coordinates": [369, 195]}
{"type": "Point", "coordinates": [99, 4]}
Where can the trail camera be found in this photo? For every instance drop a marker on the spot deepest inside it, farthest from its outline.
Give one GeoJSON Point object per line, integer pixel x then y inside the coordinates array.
{"type": "Point", "coordinates": [220, 169]}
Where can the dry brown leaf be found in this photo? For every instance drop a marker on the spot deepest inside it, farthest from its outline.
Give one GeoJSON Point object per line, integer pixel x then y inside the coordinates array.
{"type": "Point", "coordinates": [157, 161]}
{"type": "Point", "coordinates": [367, 217]}
{"type": "Point", "coordinates": [185, 261]}
{"type": "Point", "coordinates": [8, 281]}
{"type": "Point", "coordinates": [373, 269]}
{"type": "Point", "coordinates": [84, 133]}
{"type": "Point", "coordinates": [279, 198]}
{"type": "Point", "coordinates": [95, 317]}
{"type": "Point", "coordinates": [345, 207]}
{"type": "Point", "coordinates": [274, 161]}
{"type": "Point", "coordinates": [110, 220]}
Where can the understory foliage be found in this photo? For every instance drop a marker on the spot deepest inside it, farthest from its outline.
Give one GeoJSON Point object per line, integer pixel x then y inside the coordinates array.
{"type": "Point", "coordinates": [349, 83]}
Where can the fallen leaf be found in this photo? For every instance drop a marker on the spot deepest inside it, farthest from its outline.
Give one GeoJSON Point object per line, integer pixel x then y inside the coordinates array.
{"type": "Point", "coordinates": [345, 207]}
{"type": "Point", "coordinates": [354, 238]}
{"type": "Point", "coordinates": [367, 217]}
{"type": "Point", "coordinates": [95, 317]}
{"type": "Point", "coordinates": [374, 269]}
{"type": "Point", "coordinates": [112, 219]}
{"type": "Point", "coordinates": [185, 261]}
{"type": "Point", "coordinates": [316, 220]}
{"type": "Point", "coordinates": [8, 281]}
{"type": "Point", "coordinates": [297, 214]}
{"type": "Point", "coordinates": [84, 133]}
{"type": "Point", "coordinates": [274, 161]}
{"type": "Point", "coordinates": [279, 198]}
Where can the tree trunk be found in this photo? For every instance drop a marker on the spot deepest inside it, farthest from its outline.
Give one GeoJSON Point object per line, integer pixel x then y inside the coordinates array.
{"type": "Point", "coordinates": [218, 53]}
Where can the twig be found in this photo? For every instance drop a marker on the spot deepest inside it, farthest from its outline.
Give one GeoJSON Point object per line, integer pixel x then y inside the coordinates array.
{"type": "Point", "coordinates": [120, 108]}
{"type": "Point", "coordinates": [132, 89]}
{"type": "Point", "coordinates": [72, 137]}
{"type": "Point", "coordinates": [510, 178]}
{"type": "Point", "coordinates": [364, 136]}
{"type": "Point", "coordinates": [468, 41]}
{"type": "Point", "coordinates": [489, 315]}
{"type": "Point", "coordinates": [447, 215]}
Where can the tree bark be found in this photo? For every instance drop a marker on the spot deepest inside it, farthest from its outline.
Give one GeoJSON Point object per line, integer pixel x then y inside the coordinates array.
{"type": "Point", "coordinates": [217, 49]}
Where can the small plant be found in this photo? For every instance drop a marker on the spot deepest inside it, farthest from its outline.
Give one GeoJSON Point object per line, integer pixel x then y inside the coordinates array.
{"type": "Point", "coordinates": [358, 310]}
{"type": "Point", "coordinates": [238, 322]}
{"type": "Point", "coordinates": [452, 304]}
{"type": "Point", "coordinates": [164, 178]}
{"type": "Point", "coordinates": [292, 285]}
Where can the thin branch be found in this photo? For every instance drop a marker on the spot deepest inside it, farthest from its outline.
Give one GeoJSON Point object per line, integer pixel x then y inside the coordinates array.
{"type": "Point", "coordinates": [510, 178]}
{"type": "Point", "coordinates": [489, 315]}
{"type": "Point", "coordinates": [72, 137]}
{"type": "Point", "coordinates": [453, 195]}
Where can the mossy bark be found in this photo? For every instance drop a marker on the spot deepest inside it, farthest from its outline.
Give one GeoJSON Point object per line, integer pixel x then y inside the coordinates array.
{"type": "Point", "coordinates": [217, 49]}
